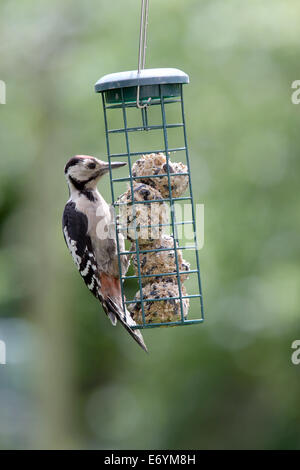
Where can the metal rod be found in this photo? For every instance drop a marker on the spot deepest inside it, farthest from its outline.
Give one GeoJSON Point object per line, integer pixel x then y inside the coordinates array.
{"type": "Point", "coordinates": [192, 271]}
{"type": "Point", "coordinates": [192, 296]}
{"type": "Point", "coordinates": [170, 323]}
{"type": "Point", "coordinates": [146, 152]}
{"type": "Point", "coordinates": [123, 229]}
{"type": "Point", "coordinates": [142, 49]}
{"type": "Point", "coordinates": [142, 128]}
{"type": "Point", "coordinates": [113, 198]}
{"type": "Point", "coordinates": [134, 216]}
{"type": "Point", "coordinates": [141, 106]}
{"type": "Point", "coordinates": [155, 102]}
{"type": "Point", "coordinates": [175, 237]}
{"type": "Point", "coordinates": [193, 210]}
{"type": "Point", "coordinates": [155, 250]}
{"type": "Point", "coordinates": [145, 33]}
{"type": "Point", "coordinates": [161, 175]}
{"type": "Point", "coordinates": [141, 44]}
{"type": "Point", "coordinates": [184, 198]}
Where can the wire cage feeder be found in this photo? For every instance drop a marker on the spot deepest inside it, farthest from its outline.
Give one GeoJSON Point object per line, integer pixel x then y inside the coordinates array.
{"type": "Point", "coordinates": [139, 92]}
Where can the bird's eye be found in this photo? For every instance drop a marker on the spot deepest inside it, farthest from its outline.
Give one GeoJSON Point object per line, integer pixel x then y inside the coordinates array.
{"type": "Point", "coordinates": [91, 165]}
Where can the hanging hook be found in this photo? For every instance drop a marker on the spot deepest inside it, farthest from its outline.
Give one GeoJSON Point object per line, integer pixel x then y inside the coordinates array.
{"type": "Point", "coordinates": [142, 49]}
{"type": "Point", "coordinates": [138, 104]}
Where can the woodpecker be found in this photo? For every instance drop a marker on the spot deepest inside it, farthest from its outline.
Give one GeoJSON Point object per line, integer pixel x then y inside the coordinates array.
{"type": "Point", "coordinates": [87, 227]}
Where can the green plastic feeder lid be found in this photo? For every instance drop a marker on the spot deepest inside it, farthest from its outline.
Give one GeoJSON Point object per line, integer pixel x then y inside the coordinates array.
{"type": "Point", "coordinates": [145, 77]}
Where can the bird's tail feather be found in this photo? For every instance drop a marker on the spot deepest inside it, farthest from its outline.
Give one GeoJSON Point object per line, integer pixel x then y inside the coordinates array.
{"type": "Point", "coordinates": [112, 318]}
{"type": "Point", "coordinates": [125, 319]}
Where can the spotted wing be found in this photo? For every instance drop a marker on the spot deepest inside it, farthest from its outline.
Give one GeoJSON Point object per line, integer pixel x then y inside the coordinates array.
{"type": "Point", "coordinates": [75, 226]}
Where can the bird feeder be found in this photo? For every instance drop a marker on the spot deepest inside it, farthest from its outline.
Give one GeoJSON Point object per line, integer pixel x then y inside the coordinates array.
{"type": "Point", "coordinates": [141, 99]}
{"type": "Point", "coordinates": [131, 91]}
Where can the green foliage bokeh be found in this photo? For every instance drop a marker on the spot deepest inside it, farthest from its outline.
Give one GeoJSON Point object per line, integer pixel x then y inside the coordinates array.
{"type": "Point", "coordinates": [73, 381]}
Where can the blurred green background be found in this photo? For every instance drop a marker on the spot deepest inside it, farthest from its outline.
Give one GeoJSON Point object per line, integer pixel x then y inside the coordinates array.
{"type": "Point", "coordinates": [73, 381]}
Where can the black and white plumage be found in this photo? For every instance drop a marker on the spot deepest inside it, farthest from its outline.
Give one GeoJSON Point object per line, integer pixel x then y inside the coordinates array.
{"type": "Point", "coordinates": [89, 232]}
{"type": "Point", "coordinates": [75, 227]}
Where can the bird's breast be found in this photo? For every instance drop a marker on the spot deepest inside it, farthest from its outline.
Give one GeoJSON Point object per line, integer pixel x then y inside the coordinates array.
{"type": "Point", "coordinates": [102, 231]}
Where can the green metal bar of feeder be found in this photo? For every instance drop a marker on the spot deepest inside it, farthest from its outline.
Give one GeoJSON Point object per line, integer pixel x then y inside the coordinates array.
{"type": "Point", "coordinates": [144, 114]}
{"type": "Point", "coordinates": [142, 128]}
{"type": "Point", "coordinates": [171, 198]}
{"type": "Point", "coordinates": [192, 271]}
{"type": "Point", "coordinates": [113, 198]}
{"type": "Point", "coordinates": [123, 229]}
{"type": "Point", "coordinates": [177, 297]}
{"type": "Point", "coordinates": [187, 198]}
{"type": "Point", "coordinates": [154, 102]}
{"type": "Point", "coordinates": [155, 250]}
{"type": "Point", "coordinates": [132, 198]}
{"type": "Point", "coordinates": [161, 175]}
{"type": "Point", "coordinates": [191, 194]}
{"type": "Point", "coordinates": [170, 323]}
{"type": "Point", "coordinates": [146, 152]}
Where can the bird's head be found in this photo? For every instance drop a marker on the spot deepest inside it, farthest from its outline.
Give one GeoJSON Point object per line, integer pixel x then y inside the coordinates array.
{"type": "Point", "coordinates": [83, 171]}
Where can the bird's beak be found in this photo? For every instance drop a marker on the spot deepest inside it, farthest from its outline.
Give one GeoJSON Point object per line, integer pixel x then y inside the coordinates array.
{"type": "Point", "coordinates": [117, 164]}
{"type": "Point", "coordinates": [114, 165]}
